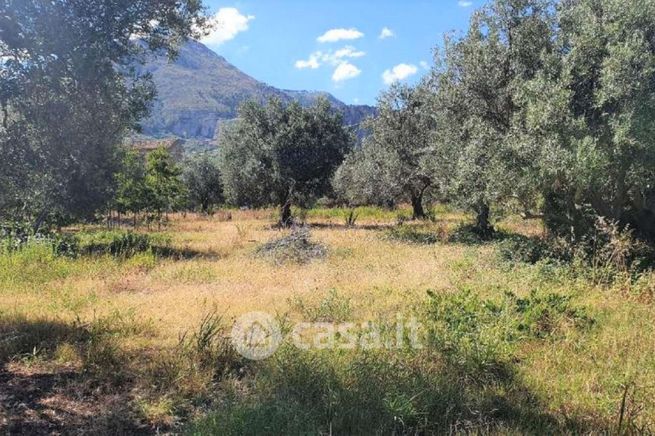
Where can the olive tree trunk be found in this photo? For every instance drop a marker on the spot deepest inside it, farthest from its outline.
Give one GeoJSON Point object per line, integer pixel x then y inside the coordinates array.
{"type": "Point", "coordinates": [482, 224]}
{"type": "Point", "coordinates": [286, 220]}
{"type": "Point", "coordinates": [418, 213]}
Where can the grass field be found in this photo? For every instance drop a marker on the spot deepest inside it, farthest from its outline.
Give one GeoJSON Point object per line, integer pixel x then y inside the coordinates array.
{"type": "Point", "coordinates": [139, 343]}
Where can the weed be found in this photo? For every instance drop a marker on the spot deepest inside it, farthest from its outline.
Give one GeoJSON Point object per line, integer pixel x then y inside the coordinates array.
{"type": "Point", "coordinates": [333, 308]}
{"type": "Point", "coordinates": [483, 333]}
{"type": "Point", "coordinates": [351, 218]}
{"type": "Point", "coordinates": [519, 248]}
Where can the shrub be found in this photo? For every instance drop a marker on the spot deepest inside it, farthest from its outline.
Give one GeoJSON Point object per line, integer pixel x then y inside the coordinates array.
{"type": "Point", "coordinates": [210, 346]}
{"type": "Point", "coordinates": [351, 218]}
{"type": "Point", "coordinates": [117, 244]}
{"type": "Point", "coordinates": [66, 245]}
{"type": "Point", "coordinates": [469, 234]}
{"type": "Point", "coordinates": [113, 243]}
{"type": "Point", "coordinates": [602, 254]}
{"type": "Point", "coordinates": [519, 248]}
{"type": "Point", "coordinates": [615, 247]}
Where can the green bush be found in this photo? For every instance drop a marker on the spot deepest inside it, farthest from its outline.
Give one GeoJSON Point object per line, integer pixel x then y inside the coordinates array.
{"type": "Point", "coordinates": [117, 244]}
{"type": "Point", "coordinates": [113, 243]}
{"type": "Point", "coordinates": [66, 245]}
{"type": "Point", "coordinates": [519, 248]}
{"type": "Point", "coordinates": [470, 235]}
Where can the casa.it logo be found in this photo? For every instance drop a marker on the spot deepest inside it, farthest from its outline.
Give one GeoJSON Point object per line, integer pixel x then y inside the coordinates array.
{"type": "Point", "coordinates": [256, 335]}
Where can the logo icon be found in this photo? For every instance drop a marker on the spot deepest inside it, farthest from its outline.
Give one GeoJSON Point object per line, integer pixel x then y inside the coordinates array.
{"type": "Point", "coordinates": [256, 335]}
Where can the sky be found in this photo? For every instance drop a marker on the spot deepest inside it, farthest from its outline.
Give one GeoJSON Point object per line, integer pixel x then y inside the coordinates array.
{"type": "Point", "coordinates": [351, 49]}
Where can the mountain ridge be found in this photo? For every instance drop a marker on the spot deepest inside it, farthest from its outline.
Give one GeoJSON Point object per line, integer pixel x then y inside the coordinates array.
{"type": "Point", "coordinates": [200, 90]}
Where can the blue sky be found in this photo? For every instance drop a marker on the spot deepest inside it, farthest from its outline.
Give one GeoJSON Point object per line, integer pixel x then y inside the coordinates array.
{"type": "Point", "coordinates": [337, 46]}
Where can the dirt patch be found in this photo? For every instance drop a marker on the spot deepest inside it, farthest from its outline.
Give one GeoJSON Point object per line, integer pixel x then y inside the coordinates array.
{"type": "Point", "coordinates": [55, 400]}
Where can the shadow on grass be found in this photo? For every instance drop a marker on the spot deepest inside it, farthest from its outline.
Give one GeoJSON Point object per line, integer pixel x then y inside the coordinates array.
{"type": "Point", "coordinates": [185, 253]}
{"type": "Point", "coordinates": [308, 392]}
{"type": "Point", "coordinates": [41, 395]}
{"type": "Point", "coordinates": [351, 227]}
{"type": "Point", "coordinates": [81, 378]}
{"type": "Point", "coordinates": [467, 234]}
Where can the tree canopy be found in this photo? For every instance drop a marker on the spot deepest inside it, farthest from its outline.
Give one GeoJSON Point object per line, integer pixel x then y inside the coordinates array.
{"type": "Point", "coordinates": [68, 96]}
{"type": "Point", "coordinates": [203, 182]}
{"type": "Point", "coordinates": [399, 159]}
{"type": "Point", "coordinates": [282, 155]}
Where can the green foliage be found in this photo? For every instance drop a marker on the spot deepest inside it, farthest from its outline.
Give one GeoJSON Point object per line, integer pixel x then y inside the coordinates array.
{"type": "Point", "coordinates": [482, 334]}
{"type": "Point", "coordinates": [119, 244]}
{"type": "Point", "coordinates": [203, 182]}
{"type": "Point", "coordinates": [68, 97]}
{"type": "Point", "coordinates": [132, 193]}
{"type": "Point", "coordinates": [209, 345]}
{"type": "Point", "coordinates": [400, 159]}
{"type": "Point", "coordinates": [595, 118]}
{"type": "Point", "coordinates": [163, 183]}
{"type": "Point", "coordinates": [476, 80]}
{"type": "Point", "coordinates": [281, 155]}
{"type": "Point", "coordinates": [472, 234]}
{"type": "Point", "coordinates": [519, 248]}
{"type": "Point", "coordinates": [605, 252]}
{"type": "Point", "coordinates": [463, 379]}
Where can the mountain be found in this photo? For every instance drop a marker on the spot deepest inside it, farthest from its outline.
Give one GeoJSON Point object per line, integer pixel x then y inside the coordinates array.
{"type": "Point", "coordinates": [200, 90]}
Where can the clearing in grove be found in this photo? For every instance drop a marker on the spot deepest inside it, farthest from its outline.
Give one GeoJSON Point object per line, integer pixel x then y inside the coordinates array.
{"type": "Point", "coordinates": [140, 343]}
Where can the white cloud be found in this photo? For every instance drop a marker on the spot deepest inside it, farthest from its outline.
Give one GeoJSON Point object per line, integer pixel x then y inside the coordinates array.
{"type": "Point", "coordinates": [227, 22]}
{"type": "Point", "coordinates": [339, 59]}
{"type": "Point", "coordinates": [312, 62]}
{"type": "Point", "coordinates": [424, 65]}
{"type": "Point", "coordinates": [346, 52]}
{"type": "Point", "coordinates": [318, 58]}
{"type": "Point", "coordinates": [345, 71]}
{"type": "Point", "coordinates": [465, 3]}
{"type": "Point", "coordinates": [334, 35]}
{"type": "Point", "coordinates": [399, 72]}
{"type": "Point", "coordinates": [386, 33]}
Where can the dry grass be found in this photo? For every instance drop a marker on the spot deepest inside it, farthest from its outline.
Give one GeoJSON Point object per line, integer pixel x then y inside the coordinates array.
{"type": "Point", "coordinates": [581, 375]}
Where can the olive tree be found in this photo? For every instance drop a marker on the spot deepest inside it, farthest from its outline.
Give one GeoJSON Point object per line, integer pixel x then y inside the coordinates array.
{"type": "Point", "coordinates": [282, 155]}
{"type": "Point", "coordinates": [478, 77]}
{"type": "Point", "coordinates": [202, 178]}
{"type": "Point", "coordinates": [591, 114]}
{"type": "Point", "coordinates": [400, 158]}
